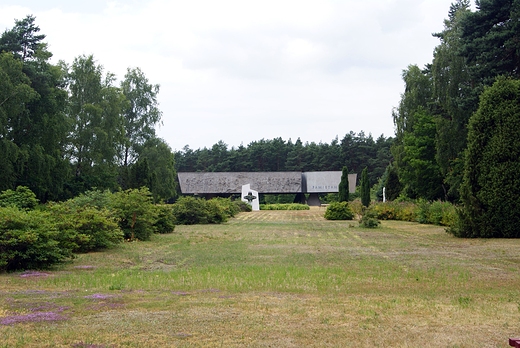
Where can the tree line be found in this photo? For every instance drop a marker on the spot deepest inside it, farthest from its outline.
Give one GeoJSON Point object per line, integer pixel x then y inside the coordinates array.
{"type": "Point", "coordinates": [68, 128]}
{"type": "Point", "coordinates": [434, 111]}
{"type": "Point", "coordinates": [457, 120]}
{"type": "Point", "coordinates": [356, 151]}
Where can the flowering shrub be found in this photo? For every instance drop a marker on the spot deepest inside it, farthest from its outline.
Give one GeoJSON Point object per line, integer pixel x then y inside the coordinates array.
{"type": "Point", "coordinates": [31, 317]}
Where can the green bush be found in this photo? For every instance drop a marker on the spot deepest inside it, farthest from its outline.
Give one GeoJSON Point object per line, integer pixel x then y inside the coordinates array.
{"type": "Point", "coordinates": [242, 206]}
{"type": "Point", "coordinates": [369, 219]}
{"type": "Point", "coordinates": [95, 198]}
{"type": "Point", "coordinates": [190, 211]}
{"type": "Point", "coordinates": [402, 211]}
{"type": "Point", "coordinates": [339, 211]}
{"type": "Point", "coordinates": [230, 208]}
{"type": "Point", "coordinates": [356, 206]}
{"type": "Point", "coordinates": [284, 206]}
{"type": "Point", "coordinates": [436, 213]}
{"type": "Point", "coordinates": [282, 198]}
{"type": "Point", "coordinates": [491, 181]}
{"type": "Point", "coordinates": [86, 228]}
{"type": "Point", "coordinates": [22, 198]}
{"type": "Point", "coordinates": [423, 211]}
{"type": "Point", "coordinates": [29, 240]}
{"type": "Point", "coordinates": [216, 212]}
{"type": "Point", "coordinates": [135, 212]}
{"type": "Point", "coordinates": [450, 217]}
{"type": "Point", "coordinates": [165, 222]}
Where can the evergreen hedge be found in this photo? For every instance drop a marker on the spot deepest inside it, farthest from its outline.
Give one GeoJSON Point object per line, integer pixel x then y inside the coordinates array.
{"type": "Point", "coordinates": [491, 185]}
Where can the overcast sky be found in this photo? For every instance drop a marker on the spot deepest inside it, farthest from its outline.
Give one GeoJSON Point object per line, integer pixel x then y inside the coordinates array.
{"type": "Point", "coordinates": [240, 71]}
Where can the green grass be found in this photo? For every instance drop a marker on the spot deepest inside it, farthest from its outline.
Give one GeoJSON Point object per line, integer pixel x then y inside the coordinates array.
{"type": "Point", "coordinates": [274, 278]}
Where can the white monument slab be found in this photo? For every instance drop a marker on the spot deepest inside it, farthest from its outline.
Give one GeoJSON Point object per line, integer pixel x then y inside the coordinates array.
{"type": "Point", "coordinates": [251, 197]}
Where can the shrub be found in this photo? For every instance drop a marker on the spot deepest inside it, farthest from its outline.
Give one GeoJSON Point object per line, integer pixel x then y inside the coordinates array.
{"type": "Point", "coordinates": [369, 219]}
{"type": "Point", "coordinates": [22, 198]}
{"type": "Point", "coordinates": [94, 198]}
{"type": "Point", "coordinates": [449, 216]}
{"type": "Point", "coordinates": [402, 211]}
{"type": "Point", "coordinates": [85, 228]}
{"type": "Point", "coordinates": [356, 206]}
{"type": "Point", "coordinates": [491, 181]}
{"type": "Point", "coordinates": [339, 211]}
{"type": "Point", "coordinates": [190, 211]}
{"type": "Point", "coordinates": [423, 211]}
{"type": "Point", "coordinates": [242, 206]}
{"type": "Point", "coordinates": [165, 222]}
{"type": "Point", "coordinates": [135, 212]}
{"type": "Point", "coordinates": [216, 212]}
{"type": "Point", "coordinates": [284, 206]}
{"type": "Point", "coordinates": [276, 198]}
{"type": "Point", "coordinates": [436, 213]}
{"type": "Point", "coordinates": [29, 240]}
{"type": "Point", "coordinates": [230, 208]}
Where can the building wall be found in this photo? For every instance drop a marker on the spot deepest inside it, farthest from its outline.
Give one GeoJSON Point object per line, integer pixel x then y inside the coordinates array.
{"type": "Point", "coordinates": [263, 182]}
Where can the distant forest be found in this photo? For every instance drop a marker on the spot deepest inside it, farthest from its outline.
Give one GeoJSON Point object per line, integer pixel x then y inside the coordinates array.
{"type": "Point", "coordinates": [356, 151]}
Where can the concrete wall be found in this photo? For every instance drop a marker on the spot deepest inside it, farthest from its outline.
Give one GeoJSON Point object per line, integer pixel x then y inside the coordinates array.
{"type": "Point", "coordinates": [324, 182]}
{"type": "Point", "coordinates": [264, 182]}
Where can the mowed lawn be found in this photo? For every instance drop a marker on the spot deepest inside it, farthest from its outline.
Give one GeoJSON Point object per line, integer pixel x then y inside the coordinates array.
{"type": "Point", "coordinates": [274, 279]}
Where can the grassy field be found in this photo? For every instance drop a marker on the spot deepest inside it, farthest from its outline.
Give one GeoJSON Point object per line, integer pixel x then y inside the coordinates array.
{"type": "Point", "coordinates": [274, 279]}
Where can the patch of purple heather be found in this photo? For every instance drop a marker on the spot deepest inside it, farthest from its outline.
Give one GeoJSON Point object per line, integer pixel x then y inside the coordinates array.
{"type": "Point", "coordinates": [98, 296]}
{"type": "Point", "coordinates": [31, 317]}
{"type": "Point", "coordinates": [48, 307]}
{"type": "Point", "coordinates": [180, 293]}
{"type": "Point", "coordinates": [32, 274]}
